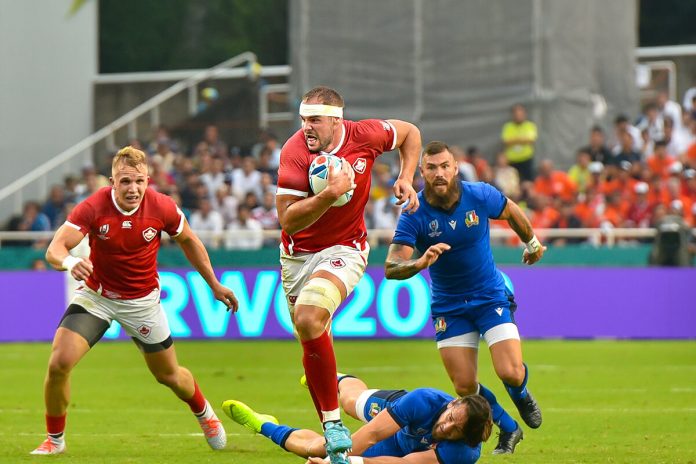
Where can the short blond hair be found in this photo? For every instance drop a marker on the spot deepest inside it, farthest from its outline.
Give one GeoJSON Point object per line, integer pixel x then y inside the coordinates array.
{"type": "Point", "coordinates": [130, 157]}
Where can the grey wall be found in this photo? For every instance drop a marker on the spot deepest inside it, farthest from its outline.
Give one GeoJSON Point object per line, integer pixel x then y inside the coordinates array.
{"type": "Point", "coordinates": [48, 61]}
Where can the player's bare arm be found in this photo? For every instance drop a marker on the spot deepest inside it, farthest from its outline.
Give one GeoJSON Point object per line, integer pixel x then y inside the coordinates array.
{"type": "Point", "coordinates": [197, 255]}
{"type": "Point", "coordinates": [519, 222]}
{"type": "Point", "coordinates": [408, 140]}
{"type": "Point", "coordinates": [297, 213]}
{"type": "Point", "coordinates": [58, 253]}
{"type": "Point", "coordinates": [380, 428]}
{"type": "Point", "coordinates": [399, 264]}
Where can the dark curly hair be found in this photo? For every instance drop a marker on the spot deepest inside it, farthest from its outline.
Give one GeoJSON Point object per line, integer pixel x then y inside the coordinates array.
{"type": "Point", "coordinates": [479, 421]}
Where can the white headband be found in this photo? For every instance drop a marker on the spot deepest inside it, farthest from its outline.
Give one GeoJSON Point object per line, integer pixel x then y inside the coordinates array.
{"type": "Point", "coordinates": [321, 110]}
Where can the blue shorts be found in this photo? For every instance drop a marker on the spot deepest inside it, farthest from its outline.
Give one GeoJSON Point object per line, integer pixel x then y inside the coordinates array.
{"type": "Point", "coordinates": [376, 402]}
{"type": "Point", "coordinates": [454, 315]}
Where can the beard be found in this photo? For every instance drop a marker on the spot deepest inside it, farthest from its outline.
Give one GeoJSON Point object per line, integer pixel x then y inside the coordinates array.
{"type": "Point", "coordinates": [443, 199]}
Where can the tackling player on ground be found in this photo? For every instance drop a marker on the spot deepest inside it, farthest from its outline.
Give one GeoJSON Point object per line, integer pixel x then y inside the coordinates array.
{"type": "Point", "coordinates": [324, 250]}
{"type": "Point", "coordinates": [124, 223]}
{"type": "Point", "coordinates": [424, 426]}
{"type": "Point", "coordinates": [469, 296]}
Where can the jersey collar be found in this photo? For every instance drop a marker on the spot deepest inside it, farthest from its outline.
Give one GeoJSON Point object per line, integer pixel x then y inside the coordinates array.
{"type": "Point", "coordinates": [340, 142]}
{"type": "Point", "coordinates": [125, 213]}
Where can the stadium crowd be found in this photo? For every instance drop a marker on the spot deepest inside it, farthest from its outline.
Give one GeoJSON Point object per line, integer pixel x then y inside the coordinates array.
{"type": "Point", "coordinates": [629, 176]}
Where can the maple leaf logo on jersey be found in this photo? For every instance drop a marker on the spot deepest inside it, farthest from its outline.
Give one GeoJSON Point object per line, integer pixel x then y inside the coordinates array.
{"type": "Point", "coordinates": [337, 263]}
{"type": "Point", "coordinates": [359, 165]}
{"type": "Point", "coordinates": [149, 234]}
{"type": "Point", "coordinates": [144, 331]}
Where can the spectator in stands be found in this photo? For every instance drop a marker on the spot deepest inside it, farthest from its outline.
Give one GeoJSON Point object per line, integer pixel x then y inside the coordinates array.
{"type": "Point", "coordinates": [386, 214]}
{"type": "Point", "coordinates": [264, 166]}
{"type": "Point", "coordinates": [676, 140]}
{"type": "Point", "coordinates": [246, 179]}
{"type": "Point", "coordinates": [626, 150]}
{"type": "Point", "coordinates": [33, 220]}
{"type": "Point", "coordinates": [622, 125]}
{"type": "Point", "coordinates": [567, 219]}
{"type": "Point", "coordinates": [251, 200]}
{"type": "Point", "coordinates": [268, 183]}
{"type": "Point", "coordinates": [689, 102]}
{"type": "Point", "coordinates": [660, 162]}
{"type": "Point", "coordinates": [38, 265]}
{"type": "Point", "coordinates": [669, 108]}
{"type": "Point", "coordinates": [160, 179]}
{"type": "Point", "coordinates": [579, 173]}
{"type": "Point", "coordinates": [519, 136]}
{"type": "Point", "coordinates": [226, 203]}
{"type": "Point", "coordinates": [467, 171]}
{"type": "Point", "coordinates": [163, 148]}
{"type": "Point", "coordinates": [382, 181]}
{"type": "Point", "coordinates": [189, 193]}
{"type": "Point", "coordinates": [614, 211]}
{"type": "Point", "coordinates": [211, 138]}
{"type": "Point", "coordinates": [215, 177]}
{"type": "Point", "coordinates": [245, 232]}
{"type": "Point", "coordinates": [651, 120]}
{"type": "Point", "coordinates": [597, 147]}
{"type": "Point", "coordinates": [483, 169]}
{"type": "Point", "coordinates": [640, 212]}
{"type": "Point", "coordinates": [207, 223]}
{"type": "Point", "coordinates": [506, 178]}
{"type": "Point", "coordinates": [554, 183]}
{"type": "Point", "coordinates": [267, 215]}
{"type": "Point", "coordinates": [70, 184]}
{"type": "Point", "coordinates": [53, 207]}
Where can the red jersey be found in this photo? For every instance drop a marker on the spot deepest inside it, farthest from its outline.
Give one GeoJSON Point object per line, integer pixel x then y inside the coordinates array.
{"type": "Point", "coordinates": [124, 244]}
{"type": "Point", "coordinates": [361, 142]}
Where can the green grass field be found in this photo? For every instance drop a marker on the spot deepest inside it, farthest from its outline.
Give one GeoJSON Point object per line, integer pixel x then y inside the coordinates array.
{"type": "Point", "coordinates": [603, 401]}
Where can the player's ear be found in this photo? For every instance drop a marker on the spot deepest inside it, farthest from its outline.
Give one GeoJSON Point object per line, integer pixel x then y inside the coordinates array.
{"type": "Point", "coordinates": [111, 180]}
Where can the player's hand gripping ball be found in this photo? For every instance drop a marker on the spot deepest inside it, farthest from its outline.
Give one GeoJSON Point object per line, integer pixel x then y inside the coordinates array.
{"type": "Point", "coordinates": [319, 176]}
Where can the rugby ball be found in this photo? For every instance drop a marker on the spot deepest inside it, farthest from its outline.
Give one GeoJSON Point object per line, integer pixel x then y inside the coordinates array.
{"type": "Point", "coordinates": [319, 176]}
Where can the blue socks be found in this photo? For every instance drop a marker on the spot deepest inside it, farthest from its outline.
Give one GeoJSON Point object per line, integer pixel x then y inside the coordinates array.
{"type": "Point", "coordinates": [277, 433]}
{"type": "Point", "coordinates": [501, 418]}
{"type": "Point", "coordinates": [518, 393]}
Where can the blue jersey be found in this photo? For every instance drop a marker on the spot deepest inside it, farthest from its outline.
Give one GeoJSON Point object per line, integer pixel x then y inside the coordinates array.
{"type": "Point", "coordinates": [416, 412]}
{"type": "Point", "coordinates": [467, 269]}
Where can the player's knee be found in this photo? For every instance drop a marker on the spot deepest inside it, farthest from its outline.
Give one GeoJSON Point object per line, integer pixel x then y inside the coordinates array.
{"type": "Point", "coordinates": [167, 378]}
{"type": "Point", "coordinates": [465, 387]}
{"type": "Point", "coordinates": [59, 366]}
{"type": "Point", "coordinates": [511, 373]}
{"type": "Point", "coordinates": [310, 324]}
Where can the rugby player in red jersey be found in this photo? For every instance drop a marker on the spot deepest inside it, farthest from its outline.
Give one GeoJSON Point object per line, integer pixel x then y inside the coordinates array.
{"type": "Point", "coordinates": [120, 283]}
{"type": "Point", "coordinates": [324, 249]}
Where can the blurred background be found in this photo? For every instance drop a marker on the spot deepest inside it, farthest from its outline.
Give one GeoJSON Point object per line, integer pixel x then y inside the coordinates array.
{"type": "Point", "coordinates": [210, 90]}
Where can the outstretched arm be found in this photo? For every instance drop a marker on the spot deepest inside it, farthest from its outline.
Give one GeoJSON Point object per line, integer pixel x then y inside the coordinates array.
{"type": "Point", "coordinates": [408, 141]}
{"type": "Point", "coordinates": [198, 257]}
{"type": "Point", "coordinates": [518, 222]}
{"type": "Point", "coordinates": [400, 266]}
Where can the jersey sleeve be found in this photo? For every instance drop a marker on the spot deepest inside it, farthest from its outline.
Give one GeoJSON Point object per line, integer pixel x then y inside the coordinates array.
{"type": "Point", "coordinates": [293, 177]}
{"type": "Point", "coordinates": [377, 133]}
{"type": "Point", "coordinates": [172, 217]}
{"type": "Point", "coordinates": [406, 232]}
{"type": "Point", "coordinates": [494, 199]}
{"type": "Point", "coordinates": [81, 217]}
{"type": "Point", "coordinates": [411, 408]}
{"type": "Point", "coordinates": [456, 452]}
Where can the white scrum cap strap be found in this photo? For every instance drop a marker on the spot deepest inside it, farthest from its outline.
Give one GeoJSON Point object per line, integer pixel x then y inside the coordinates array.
{"type": "Point", "coordinates": [321, 110]}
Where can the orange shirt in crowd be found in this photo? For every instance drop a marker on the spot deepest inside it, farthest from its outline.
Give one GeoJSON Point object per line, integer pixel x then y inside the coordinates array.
{"type": "Point", "coordinates": [660, 166]}
{"type": "Point", "coordinates": [558, 185]}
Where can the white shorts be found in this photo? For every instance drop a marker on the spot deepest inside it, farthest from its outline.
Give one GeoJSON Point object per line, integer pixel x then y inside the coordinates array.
{"type": "Point", "coordinates": [142, 318]}
{"type": "Point", "coordinates": [496, 334]}
{"type": "Point", "coordinates": [346, 263]}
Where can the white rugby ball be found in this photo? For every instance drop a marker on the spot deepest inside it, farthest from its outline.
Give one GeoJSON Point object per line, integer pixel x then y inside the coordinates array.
{"type": "Point", "coordinates": [319, 176]}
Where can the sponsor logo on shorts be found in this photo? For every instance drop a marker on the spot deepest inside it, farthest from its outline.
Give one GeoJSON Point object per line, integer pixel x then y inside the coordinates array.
{"type": "Point", "coordinates": [374, 409]}
{"type": "Point", "coordinates": [471, 218]}
{"type": "Point", "coordinates": [149, 234]}
{"type": "Point", "coordinates": [337, 263]}
{"type": "Point", "coordinates": [359, 165]}
{"type": "Point", "coordinates": [440, 325]}
{"type": "Point", "coordinates": [292, 299]}
{"type": "Point", "coordinates": [144, 330]}
{"type": "Point", "coordinates": [499, 311]}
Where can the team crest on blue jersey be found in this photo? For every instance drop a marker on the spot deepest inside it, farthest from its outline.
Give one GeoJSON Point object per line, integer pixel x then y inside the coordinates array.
{"type": "Point", "coordinates": [434, 228]}
{"type": "Point", "coordinates": [374, 409]}
{"type": "Point", "coordinates": [471, 218]}
{"type": "Point", "coordinates": [440, 325]}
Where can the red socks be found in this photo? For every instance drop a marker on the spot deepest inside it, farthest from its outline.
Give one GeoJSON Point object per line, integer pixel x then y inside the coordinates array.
{"type": "Point", "coordinates": [320, 368]}
{"type": "Point", "coordinates": [55, 425]}
{"type": "Point", "coordinates": [197, 401]}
